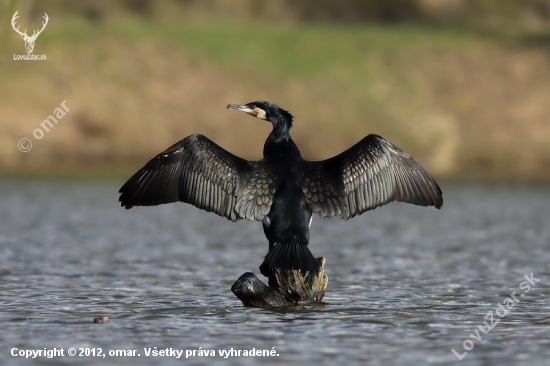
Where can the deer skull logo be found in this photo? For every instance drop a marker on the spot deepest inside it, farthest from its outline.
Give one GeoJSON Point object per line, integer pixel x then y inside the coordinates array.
{"type": "Point", "coordinates": [29, 40]}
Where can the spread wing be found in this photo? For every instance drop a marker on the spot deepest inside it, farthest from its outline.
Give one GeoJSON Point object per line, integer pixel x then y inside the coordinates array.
{"type": "Point", "coordinates": [370, 174]}
{"type": "Point", "coordinates": [197, 171]}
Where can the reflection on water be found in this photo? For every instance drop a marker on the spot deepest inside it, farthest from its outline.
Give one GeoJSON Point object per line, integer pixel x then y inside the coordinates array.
{"type": "Point", "coordinates": [406, 284]}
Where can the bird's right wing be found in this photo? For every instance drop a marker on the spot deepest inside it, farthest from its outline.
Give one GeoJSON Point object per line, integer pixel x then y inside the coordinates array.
{"type": "Point", "coordinates": [195, 170]}
{"type": "Point", "coordinates": [370, 174]}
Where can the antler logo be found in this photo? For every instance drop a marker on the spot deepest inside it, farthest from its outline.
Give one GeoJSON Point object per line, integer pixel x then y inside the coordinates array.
{"type": "Point", "coordinates": [29, 40]}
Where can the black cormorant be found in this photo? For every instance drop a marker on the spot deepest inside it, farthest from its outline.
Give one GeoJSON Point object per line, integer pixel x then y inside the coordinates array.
{"type": "Point", "coordinates": [282, 189]}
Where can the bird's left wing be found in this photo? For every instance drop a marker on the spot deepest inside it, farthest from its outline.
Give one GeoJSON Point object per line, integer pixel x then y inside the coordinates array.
{"type": "Point", "coordinates": [195, 170]}
{"type": "Point", "coordinates": [370, 174]}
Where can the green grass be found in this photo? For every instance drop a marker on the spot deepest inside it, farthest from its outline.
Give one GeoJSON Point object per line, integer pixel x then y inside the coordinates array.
{"type": "Point", "coordinates": [278, 51]}
{"type": "Point", "coordinates": [291, 51]}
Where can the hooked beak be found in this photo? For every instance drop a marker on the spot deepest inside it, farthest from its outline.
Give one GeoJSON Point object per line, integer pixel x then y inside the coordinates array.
{"type": "Point", "coordinates": [256, 112]}
{"type": "Point", "coordinates": [241, 107]}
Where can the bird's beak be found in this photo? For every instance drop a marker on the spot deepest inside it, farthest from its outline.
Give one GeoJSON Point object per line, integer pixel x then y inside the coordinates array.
{"type": "Point", "coordinates": [241, 107]}
{"type": "Point", "coordinates": [256, 112]}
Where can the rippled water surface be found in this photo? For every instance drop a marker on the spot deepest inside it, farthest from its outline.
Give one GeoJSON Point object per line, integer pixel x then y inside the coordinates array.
{"type": "Point", "coordinates": [407, 284]}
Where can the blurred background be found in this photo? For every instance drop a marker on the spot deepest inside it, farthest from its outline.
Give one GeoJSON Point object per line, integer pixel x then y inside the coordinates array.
{"type": "Point", "coordinates": [462, 85]}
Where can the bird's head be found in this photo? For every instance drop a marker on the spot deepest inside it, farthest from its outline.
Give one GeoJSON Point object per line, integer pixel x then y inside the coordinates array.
{"type": "Point", "coordinates": [265, 110]}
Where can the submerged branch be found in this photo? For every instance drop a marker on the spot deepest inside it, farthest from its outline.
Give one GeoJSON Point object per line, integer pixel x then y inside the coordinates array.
{"type": "Point", "coordinates": [286, 287]}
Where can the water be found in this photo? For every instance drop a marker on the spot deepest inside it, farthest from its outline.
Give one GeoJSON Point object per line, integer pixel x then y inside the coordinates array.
{"type": "Point", "coordinates": [406, 284]}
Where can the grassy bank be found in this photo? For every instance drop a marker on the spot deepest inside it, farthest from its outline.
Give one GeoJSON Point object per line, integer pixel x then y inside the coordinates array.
{"type": "Point", "coordinates": [466, 104]}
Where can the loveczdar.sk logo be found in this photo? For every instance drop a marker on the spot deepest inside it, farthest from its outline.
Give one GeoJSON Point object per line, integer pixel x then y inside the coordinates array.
{"type": "Point", "coordinates": [29, 40]}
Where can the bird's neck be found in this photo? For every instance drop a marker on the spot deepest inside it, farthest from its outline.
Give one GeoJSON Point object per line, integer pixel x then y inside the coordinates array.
{"type": "Point", "coordinates": [279, 144]}
{"type": "Point", "coordinates": [281, 128]}
{"type": "Point", "coordinates": [280, 133]}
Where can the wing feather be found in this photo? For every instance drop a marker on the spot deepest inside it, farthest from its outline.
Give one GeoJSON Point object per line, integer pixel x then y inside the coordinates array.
{"type": "Point", "coordinates": [197, 171]}
{"type": "Point", "coordinates": [368, 175]}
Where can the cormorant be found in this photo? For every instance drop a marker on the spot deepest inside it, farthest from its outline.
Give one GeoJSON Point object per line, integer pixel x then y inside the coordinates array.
{"type": "Point", "coordinates": [282, 189]}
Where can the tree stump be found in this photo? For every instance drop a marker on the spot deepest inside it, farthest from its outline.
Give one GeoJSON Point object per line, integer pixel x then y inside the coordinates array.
{"type": "Point", "coordinates": [286, 287]}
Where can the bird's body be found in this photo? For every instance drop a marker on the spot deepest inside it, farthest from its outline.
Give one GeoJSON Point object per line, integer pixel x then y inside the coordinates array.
{"type": "Point", "coordinates": [282, 189]}
{"type": "Point", "coordinates": [286, 226]}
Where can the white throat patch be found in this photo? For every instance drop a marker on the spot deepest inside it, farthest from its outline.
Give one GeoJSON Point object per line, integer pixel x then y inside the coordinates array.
{"type": "Point", "coordinates": [260, 113]}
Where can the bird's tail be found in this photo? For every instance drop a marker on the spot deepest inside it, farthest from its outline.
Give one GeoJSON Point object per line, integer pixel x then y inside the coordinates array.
{"type": "Point", "coordinates": [291, 256]}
